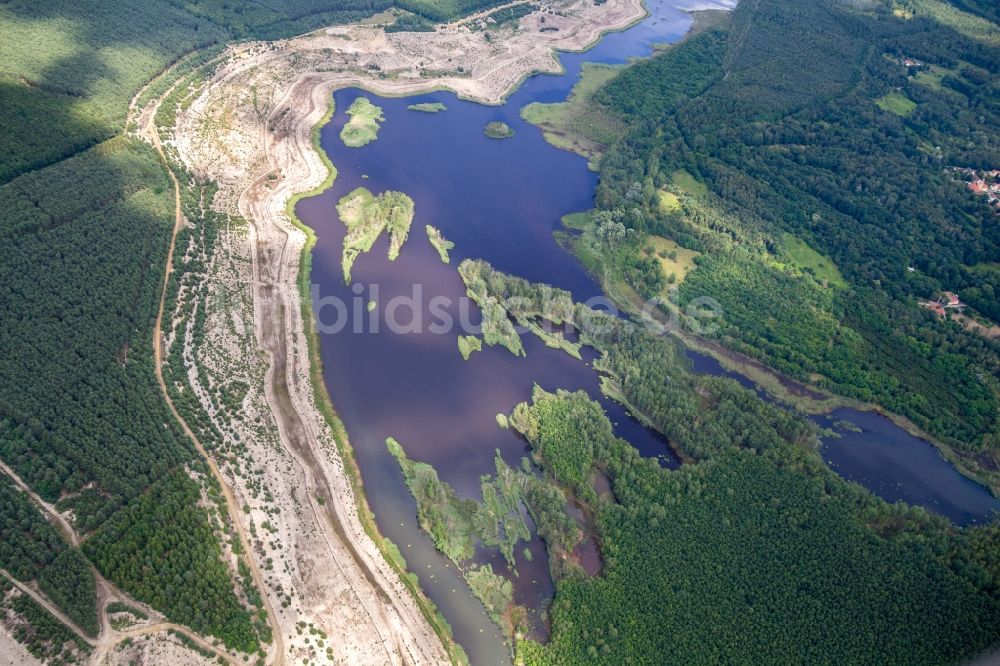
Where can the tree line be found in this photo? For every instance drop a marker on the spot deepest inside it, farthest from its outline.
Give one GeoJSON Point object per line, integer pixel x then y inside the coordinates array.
{"type": "Point", "coordinates": [786, 137]}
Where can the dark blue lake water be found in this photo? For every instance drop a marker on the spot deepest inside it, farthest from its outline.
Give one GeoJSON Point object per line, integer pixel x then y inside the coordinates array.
{"type": "Point", "coordinates": [499, 201]}
{"type": "Point", "coordinates": [883, 457]}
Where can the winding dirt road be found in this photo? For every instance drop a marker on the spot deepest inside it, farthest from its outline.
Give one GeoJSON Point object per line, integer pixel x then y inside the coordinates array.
{"type": "Point", "coordinates": [250, 131]}
{"type": "Point", "coordinates": [276, 651]}
{"type": "Point", "coordinates": [108, 638]}
{"type": "Point", "coordinates": [403, 632]}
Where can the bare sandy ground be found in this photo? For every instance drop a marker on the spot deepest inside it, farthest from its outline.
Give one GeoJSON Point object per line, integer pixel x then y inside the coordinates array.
{"type": "Point", "coordinates": [13, 653]}
{"type": "Point", "coordinates": [334, 597]}
{"type": "Point", "coordinates": [223, 136]}
{"type": "Point", "coordinates": [152, 650]}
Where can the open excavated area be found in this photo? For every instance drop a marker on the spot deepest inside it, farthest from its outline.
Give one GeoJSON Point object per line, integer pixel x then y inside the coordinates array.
{"type": "Point", "coordinates": [333, 591]}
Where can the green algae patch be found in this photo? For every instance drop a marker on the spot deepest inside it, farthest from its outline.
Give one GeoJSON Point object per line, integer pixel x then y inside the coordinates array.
{"type": "Point", "coordinates": [366, 216]}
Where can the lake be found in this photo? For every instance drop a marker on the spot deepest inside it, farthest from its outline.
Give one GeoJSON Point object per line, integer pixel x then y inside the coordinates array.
{"type": "Point", "coordinates": [499, 201]}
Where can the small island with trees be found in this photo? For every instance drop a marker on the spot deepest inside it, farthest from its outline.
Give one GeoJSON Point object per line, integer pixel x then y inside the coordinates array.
{"type": "Point", "coordinates": [428, 107]}
{"type": "Point", "coordinates": [363, 126]}
{"type": "Point", "coordinates": [440, 243]}
{"type": "Point", "coordinates": [498, 130]}
{"type": "Point", "coordinates": [366, 216]}
{"type": "Point", "coordinates": [467, 344]}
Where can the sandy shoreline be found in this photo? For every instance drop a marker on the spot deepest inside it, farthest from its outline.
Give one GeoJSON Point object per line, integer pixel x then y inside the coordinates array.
{"type": "Point", "coordinates": [251, 131]}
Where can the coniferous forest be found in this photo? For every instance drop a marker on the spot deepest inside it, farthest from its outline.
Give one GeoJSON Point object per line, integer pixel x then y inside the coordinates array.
{"type": "Point", "coordinates": [763, 155]}
{"type": "Point", "coordinates": [807, 155]}
{"type": "Point", "coordinates": [86, 211]}
{"type": "Point", "coordinates": [754, 550]}
{"type": "Point", "coordinates": [746, 558]}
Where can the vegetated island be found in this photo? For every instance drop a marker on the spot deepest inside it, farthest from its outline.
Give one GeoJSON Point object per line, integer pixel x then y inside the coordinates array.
{"type": "Point", "coordinates": [498, 130]}
{"type": "Point", "coordinates": [363, 126]}
{"type": "Point", "coordinates": [428, 107]}
{"type": "Point", "coordinates": [366, 216]}
{"type": "Point", "coordinates": [498, 327]}
{"type": "Point", "coordinates": [468, 344]}
{"type": "Point", "coordinates": [440, 243]}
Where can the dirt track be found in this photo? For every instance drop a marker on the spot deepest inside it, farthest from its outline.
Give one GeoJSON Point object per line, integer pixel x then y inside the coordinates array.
{"type": "Point", "coordinates": [108, 638]}
{"type": "Point", "coordinates": [56, 518]}
{"type": "Point", "coordinates": [276, 651]}
{"type": "Point", "coordinates": [250, 131]}
{"type": "Point", "coordinates": [403, 633]}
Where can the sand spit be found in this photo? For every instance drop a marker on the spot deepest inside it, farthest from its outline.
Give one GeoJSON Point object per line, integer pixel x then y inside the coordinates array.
{"type": "Point", "coordinates": [250, 130]}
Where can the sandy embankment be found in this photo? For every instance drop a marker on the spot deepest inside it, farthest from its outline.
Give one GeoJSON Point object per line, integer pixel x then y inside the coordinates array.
{"type": "Point", "coordinates": [250, 131]}
{"type": "Point", "coordinates": [13, 653]}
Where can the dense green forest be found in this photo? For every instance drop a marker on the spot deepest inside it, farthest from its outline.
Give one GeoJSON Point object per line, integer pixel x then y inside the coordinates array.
{"type": "Point", "coordinates": [28, 542]}
{"type": "Point", "coordinates": [69, 582]}
{"type": "Point", "coordinates": [446, 10]}
{"type": "Point", "coordinates": [70, 68]}
{"type": "Point", "coordinates": [80, 270]}
{"type": "Point", "coordinates": [77, 401]}
{"type": "Point", "coordinates": [769, 146]}
{"type": "Point", "coordinates": [84, 245]}
{"type": "Point", "coordinates": [753, 550]}
{"type": "Point", "coordinates": [86, 216]}
{"type": "Point", "coordinates": [745, 559]}
{"type": "Point", "coordinates": [32, 550]}
{"type": "Point", "coordinates": [162, 549]}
